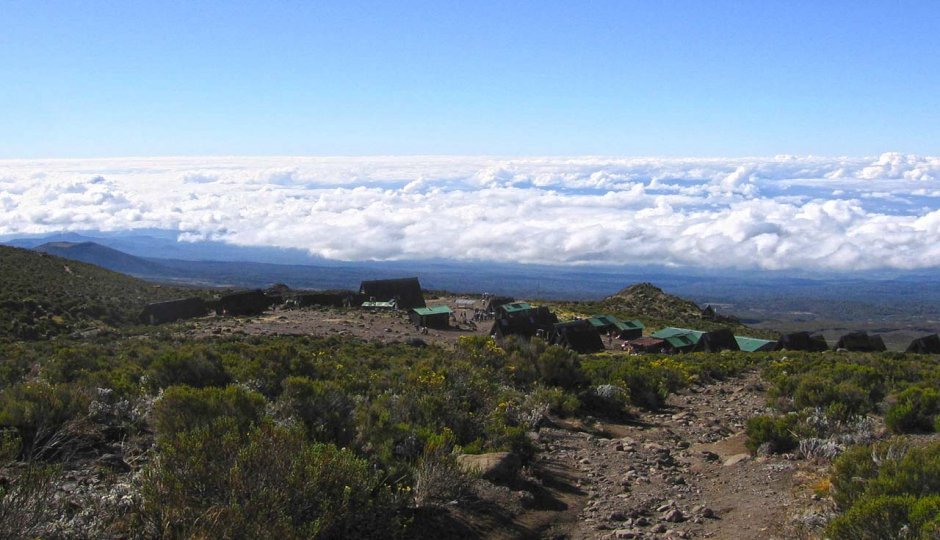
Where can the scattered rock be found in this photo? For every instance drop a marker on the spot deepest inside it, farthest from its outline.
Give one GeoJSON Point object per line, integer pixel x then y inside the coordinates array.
{"type": "Point", "coordinates": [496, 466]}
{"type": "Point", "coordinates": [735, 459]}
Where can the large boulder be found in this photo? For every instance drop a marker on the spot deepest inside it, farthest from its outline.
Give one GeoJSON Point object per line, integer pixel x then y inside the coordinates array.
{"type": "Point", "coordinates": [497, 466]}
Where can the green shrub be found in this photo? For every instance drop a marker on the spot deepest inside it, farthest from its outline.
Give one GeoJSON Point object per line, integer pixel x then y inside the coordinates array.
{"type": "Point", "coordinates": [561, 367]}
{"type": "Point", "coordinates": [915, 411]}
{"type": "Point", "coordinates": [182, 408]}
{"type": "Point", "coordinates": [776, 431]}
{"type": "Point", "coordinates": [879, 518]}
{"type": "Point", "coordinates": [27, 494]}
{"type": "Point", "coordinates": [322, 406]}
{"type": "Point", "coordinates": [45, 416]}
{"type": "Point", "coordinates": [197, 367]}
{"type": "Point", "coordinates": [896, 467]}
{"type": "Point", "coordinates": [219, 482]}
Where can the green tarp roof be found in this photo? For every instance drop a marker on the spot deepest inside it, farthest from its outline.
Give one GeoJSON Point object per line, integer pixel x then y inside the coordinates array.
{"type": "Point", "coordinates": [749, 344]}
{"type": "Point", "coordinates": [666, 333]}
{"type": "Point", "coordinates": [515, 306]}
{"type": "Point", "coordinates": [437, 310]}
{"type": "Point", "coordinates": [681, 341]}
{"type": "Point", "coordinates": [607, 320]}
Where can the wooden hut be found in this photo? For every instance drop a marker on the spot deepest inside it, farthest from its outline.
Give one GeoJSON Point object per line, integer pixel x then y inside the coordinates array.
{"type": "Point", "coordinates": [580, 336]}
{"type": "Point", "coordinates": [861, 342]}
{"type": "Point", "coordinates": [925, 345]}
{"type": "Point", "coordinates": [406, 292]}
{"type": "Point", "coordinates": [174, 310]}
{"type": "Point", "coordinates": [432, 317]}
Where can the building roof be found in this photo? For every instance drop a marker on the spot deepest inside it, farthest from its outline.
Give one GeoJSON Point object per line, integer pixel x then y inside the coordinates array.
{"type": "Point", "coordinates": [646, 342]}
{"type": "Point", "coordinates": [515, 307]}
{"type": "Point", "coordinates": [580, 336]}
{"type": "Point", "coordinates": [436, 310]}
{"type": "Point", "coordinates": [681, 341]}
{"type": "Point", "coordinates": [925, 345]}
{"type": "Point", "coordinates": [749, 344]}
{"type": "Point", "coordinates": [379, 304]}
{"type": "Point", "coordinates": [603, 321]}
{"type": "Point", "coordinates": [667, 333]}
{"type": "Point", "coordinates": [634, 324]}
{"type": "Point", "coordinates": [406, 290]}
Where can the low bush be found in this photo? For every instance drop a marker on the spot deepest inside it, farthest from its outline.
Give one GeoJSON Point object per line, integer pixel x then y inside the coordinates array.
{"type": "Point", "coordinates": [775, 431]}
{"type": "Point", "coordinates": [560, 367]}
{"type": "Point", "coordinates": [218, 481]}
{"type": "Point", "coordinates": [27, 493]}
{"type": "Point", "coordinates": [323, 408]}
{"type": "Point", "coordinates": [182, 408]}
{"type": "Point", "coordinates": [197, 366]}
{"type": "Point", "coordinates": [914, 411]}
{"type": "Point", "coordinates": [45, 417]}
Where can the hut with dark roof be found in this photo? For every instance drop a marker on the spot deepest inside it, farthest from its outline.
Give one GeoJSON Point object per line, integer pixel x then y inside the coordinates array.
{"type": "Point", "coordinates": [925, 345]}
{"type": "Point", "coordinates": [406, 292]}
{"type": "Point", "coordinates": [580, 336]}
{"type": "Point", "coordinates": [648, 345]}
{"type": "Point", "coordinates": [493, 302]}
{"type": "Point", "coordinates": [717, 341]}
{"type": "Point", "coordinates": [528, 322]}
{"type": "Point", "coordinates": [802, 341]}
{"type": "Point", "coordinates": [328, 299]}
{"type": "Point", "coordinates": [606, 324]}
{"type": "Point", "coordinates": [174, 310]}
{"type": "Point", "coordinates": [251, 302]}
{"type": "Point", "coordinates": [861, 342]}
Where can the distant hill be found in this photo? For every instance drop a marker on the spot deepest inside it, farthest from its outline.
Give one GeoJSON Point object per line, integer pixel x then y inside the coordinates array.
{"type": "Point", "coordinates": [657, 309]}
{"type": "Point", "coordinates": [42, 295]}
{"type": "Point", "coordinates": [105, 257]}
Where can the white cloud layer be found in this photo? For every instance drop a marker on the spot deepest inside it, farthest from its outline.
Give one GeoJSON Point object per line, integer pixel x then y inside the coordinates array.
{"type": "Point", "coordinates": [785, 212]}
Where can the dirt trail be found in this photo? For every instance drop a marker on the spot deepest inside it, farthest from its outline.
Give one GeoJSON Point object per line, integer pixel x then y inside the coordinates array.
{"type": "Point", "coordinates": [682, 473]}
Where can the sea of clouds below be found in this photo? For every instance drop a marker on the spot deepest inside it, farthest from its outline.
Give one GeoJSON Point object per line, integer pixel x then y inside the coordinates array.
{"type": "Point", "coordinates": [784, 212]}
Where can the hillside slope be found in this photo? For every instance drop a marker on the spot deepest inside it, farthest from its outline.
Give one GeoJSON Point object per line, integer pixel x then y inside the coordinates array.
{"type": "Point", "coordinates": [657, 309]}
{"type": "Point", "coordinates": [42, 295]}
{"type": "Point", "coordinates": [103, 256]}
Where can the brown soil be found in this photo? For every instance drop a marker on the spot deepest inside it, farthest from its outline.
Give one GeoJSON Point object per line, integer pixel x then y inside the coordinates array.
{"type": "Point", "coordinates": [667, 475]}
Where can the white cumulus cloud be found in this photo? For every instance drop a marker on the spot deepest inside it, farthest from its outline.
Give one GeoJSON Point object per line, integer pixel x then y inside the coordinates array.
{"type": "Point", "coordinates": [782, 212]}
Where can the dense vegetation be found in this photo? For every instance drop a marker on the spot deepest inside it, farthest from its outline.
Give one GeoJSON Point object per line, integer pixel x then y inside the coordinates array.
{"type": "Point", "coordinates": [827, 408]}
{"type": "Point", "coordinates": [303, 436]}
{"type": "Point", "coordinates": [43, 296]}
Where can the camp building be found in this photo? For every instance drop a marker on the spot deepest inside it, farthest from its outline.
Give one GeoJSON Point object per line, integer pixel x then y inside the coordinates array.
{"type": "Point", "coordinates": [749, 344]}
{"type": "Point", "coordinates": [580, 336]}
{"type": "Point", "coordinates": [925, 345]}
{"type": "Point", "coordinates": [379, 305]}
{"type": "Point", "coordinates": [252, 302]}
{"type": "Point", "coordinates": [606, 324]}
{"type": "Point", "coordinates": [716, 341]}
{"type": "Point", "coordinates": [861, 342]}
{"type": "Point", "coordinates": [678, 339]}
{"type": "Point", "coordinates": [522, 319]}
{"type": "Point", "coordinates": [174, 310]}
{"type": "Point", "coordinates": [406, 292]}
{"type": "Point", "coordinates": [802, 341]}
{"type": "Point", "coordinates": [432, 317]}
{"type": "Point", "coordinates": [682, 340]}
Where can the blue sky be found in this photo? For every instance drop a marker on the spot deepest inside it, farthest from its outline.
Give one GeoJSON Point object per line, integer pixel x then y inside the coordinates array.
{"type": "Point", "coordinates": [100, 79]}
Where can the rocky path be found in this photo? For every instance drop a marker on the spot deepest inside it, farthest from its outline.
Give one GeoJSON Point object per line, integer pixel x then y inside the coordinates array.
{"type": "Point", "coordinates": [684, 473]}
